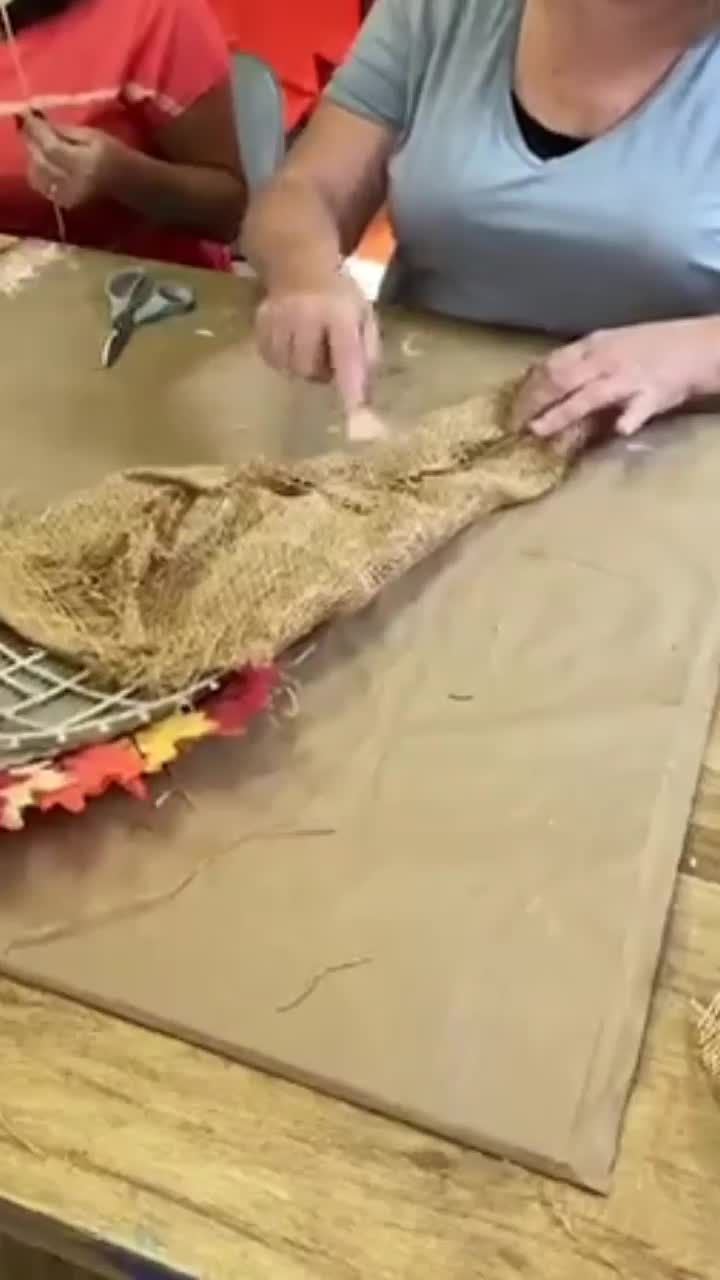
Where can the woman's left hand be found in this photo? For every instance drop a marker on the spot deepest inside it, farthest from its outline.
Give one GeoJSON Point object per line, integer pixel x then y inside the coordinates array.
{"type": "Point", "coordinates": [71, 167]}
{"type": "Point", "coordinates": [635, 374]}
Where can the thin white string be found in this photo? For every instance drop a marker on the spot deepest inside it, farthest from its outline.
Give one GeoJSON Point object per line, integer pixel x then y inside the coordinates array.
{"type": "Point", "coordinates": [26, 93]}
{"type": "Point", "coordinates": [15, 55]}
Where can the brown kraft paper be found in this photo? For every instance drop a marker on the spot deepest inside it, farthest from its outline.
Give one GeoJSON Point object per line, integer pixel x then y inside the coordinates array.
{"type": "Point", "coordinates": [440, 889]}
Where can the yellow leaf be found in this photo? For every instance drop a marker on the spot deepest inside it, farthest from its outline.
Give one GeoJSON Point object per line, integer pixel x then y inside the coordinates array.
{"type": "Point", "coordinates": [160, 744]}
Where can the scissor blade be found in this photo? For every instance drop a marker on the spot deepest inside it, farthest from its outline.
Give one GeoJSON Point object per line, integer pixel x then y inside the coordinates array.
{"type": "Point", "coordinates": [116, 343]}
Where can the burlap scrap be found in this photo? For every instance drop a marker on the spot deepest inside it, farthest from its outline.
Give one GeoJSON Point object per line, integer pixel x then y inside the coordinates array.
{"type": "Point", "coordinates": [156, 578]}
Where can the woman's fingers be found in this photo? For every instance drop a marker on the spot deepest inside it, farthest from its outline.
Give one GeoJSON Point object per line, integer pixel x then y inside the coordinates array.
{"type": "Point", "coordinates": [626, 376]}
{"type": "Point", "coordinates": [601, 393]}
{"type": "Point", "coordinates": [45, 141]}
{"type": "Point", "coordinates": [328, 332]}
{"type": "Point", "coordinates": [308, 354]}
{"type": "Point", "coordinates": [640, 410]}
{"type": "Point", "coordinates": [274, 338]}
{"type": "Point", "coordinates": [38, 131]}
{"type": "Point", "coordinates": [348, 358]}
{"type": "Point", "coordinates": [556, 378]}
{"type": "Point", "coordinates": [44, 177]}
{"type": "Point", "coordinates": [372, 340]}
{"type": "Point", "coordinates": [50, 171]}
{"type": "Point", "coordinates": [74, 136]}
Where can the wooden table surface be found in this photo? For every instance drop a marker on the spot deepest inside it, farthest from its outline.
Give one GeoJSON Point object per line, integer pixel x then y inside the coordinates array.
{"type": "Point", "coordinates": [119, 1146]}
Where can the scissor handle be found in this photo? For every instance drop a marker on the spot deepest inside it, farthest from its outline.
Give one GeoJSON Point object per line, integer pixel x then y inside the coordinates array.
{"type": "Point", "coordinates": [167, 299]}
{"type": "Point", "coordinates": [181, 296]}
{"type": "Point", "coordinates": [122, 284]}
{"type": "Point", "coordinates": [129, 291]}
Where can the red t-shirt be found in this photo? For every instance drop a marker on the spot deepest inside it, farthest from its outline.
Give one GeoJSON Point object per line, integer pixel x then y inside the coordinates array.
{"type": "Point", "coordinates": [301, 39]}
{"type": "Point", "coordinates": [124, 66]}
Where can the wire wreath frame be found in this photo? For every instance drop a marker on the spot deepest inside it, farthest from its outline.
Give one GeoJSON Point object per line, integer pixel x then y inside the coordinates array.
{"type": "Point", "coordinates": [49, 708]}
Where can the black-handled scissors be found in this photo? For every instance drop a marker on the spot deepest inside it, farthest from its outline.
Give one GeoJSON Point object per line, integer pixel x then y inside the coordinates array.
{"type": "Point", "coordinates": [137, 298]}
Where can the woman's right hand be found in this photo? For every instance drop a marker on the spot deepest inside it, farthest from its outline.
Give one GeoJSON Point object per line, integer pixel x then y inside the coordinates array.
{"type": "Point", "coordinates": [322, 329]}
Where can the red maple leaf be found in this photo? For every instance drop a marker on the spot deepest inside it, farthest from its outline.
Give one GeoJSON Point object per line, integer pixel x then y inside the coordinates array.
{"type": "Point", "coordinates": [93, 771]}
{"type": "Point", "coordinates": [244, 697]}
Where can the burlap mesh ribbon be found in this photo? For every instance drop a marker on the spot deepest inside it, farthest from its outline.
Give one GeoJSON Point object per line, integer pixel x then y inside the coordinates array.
{"type": "Point", "coordinates": [157, 578]}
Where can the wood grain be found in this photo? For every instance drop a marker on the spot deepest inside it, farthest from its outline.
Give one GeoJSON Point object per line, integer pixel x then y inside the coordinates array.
{"type": "Point", "coordinates": [145, 1143]}
{"type": "Point", "coordinates": [702, 851]}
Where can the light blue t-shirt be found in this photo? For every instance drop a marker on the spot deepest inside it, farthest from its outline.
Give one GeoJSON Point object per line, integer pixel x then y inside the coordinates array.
{"type": "Point", "coordinates": [625, 229]}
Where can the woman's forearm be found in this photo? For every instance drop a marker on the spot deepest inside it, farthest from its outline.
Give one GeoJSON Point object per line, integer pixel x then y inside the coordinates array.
{"type": "Point", "coordinates": [708, 332]}
{"type": "Point", "coordinates": [290, 236]}
{"type": "Point", "coordinates": [206, 200]}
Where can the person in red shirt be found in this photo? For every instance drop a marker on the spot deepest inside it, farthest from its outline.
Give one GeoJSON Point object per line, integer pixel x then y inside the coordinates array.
{"type": "Point", "coordinates": [120, 113]}
{"type": "Point", "coordinates": [302, 40]}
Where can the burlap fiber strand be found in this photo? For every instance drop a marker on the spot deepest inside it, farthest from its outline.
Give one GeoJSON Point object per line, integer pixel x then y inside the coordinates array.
{"type": "Point", "coordinates": [156, 578]}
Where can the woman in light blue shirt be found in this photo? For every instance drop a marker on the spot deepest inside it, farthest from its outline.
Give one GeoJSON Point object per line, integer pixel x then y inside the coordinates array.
{"type": "Point", "coordinates": [549, 164]}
